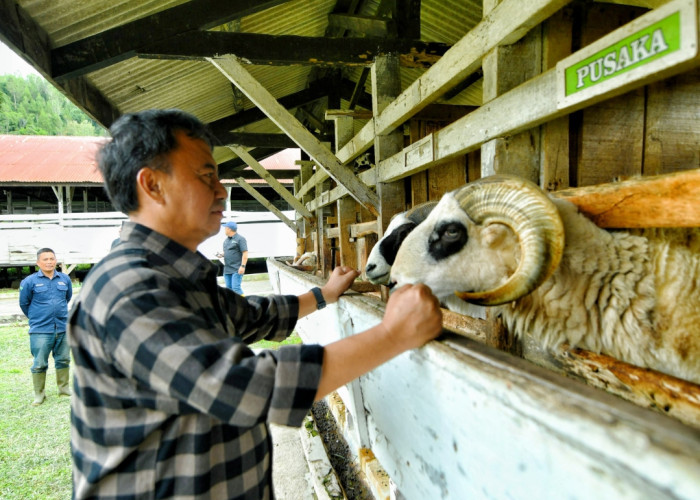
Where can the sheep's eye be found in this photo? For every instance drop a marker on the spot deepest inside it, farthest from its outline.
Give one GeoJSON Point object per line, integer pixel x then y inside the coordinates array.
{"type": "Point", "coordinates": [452, 233]}
{"type": "Point", "coordinates": [448, 238]}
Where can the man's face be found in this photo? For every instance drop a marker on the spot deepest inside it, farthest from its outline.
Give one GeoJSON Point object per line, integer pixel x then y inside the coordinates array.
{"type": "Point", "coordinates": [194, 197]}
{"type": "Point", "coordinates": [46, 262]}
{"type": "Point", "coordinates": [229, 232]}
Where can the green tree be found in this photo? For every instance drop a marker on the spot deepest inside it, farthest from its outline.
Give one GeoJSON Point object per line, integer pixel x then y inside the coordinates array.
{"type": "Point", "coordinates": [32, 106]}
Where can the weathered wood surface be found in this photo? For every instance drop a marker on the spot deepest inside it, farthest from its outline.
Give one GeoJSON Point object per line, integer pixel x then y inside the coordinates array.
{"type": "Point", "coordinates": [234, 71]}
{"type": "Point", "coordinates": [498, 119]}
{"type": "Point", "coordinates": [86, 238]}
{"type": "Point", "coordinates": [457, 419]}
{"type": "Point", "coordinates": [671, 200]}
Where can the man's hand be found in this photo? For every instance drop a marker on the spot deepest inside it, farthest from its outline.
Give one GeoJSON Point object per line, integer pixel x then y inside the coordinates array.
{"type": "Point", "coordinates": [413, 316]}
{"type": "Point", "coordinates": [340, 280]}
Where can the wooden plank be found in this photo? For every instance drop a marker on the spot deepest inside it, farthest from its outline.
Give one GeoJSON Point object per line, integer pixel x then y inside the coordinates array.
{"type": "Point", "coordinates": [647, 388]}
{"type": "Point", "coordinates": [265, 203]}
{"type": "Point", "coordinates": [271, 181]}
{"type": "Point", "coordinates": [255, 140]}
{"type": "Point", "coordinates": [554, 138]}
{"type": "Point", "coordinates": [672, 134]}
{"type": "Point", "coordinates": [316, 90]}
{"type": "Point", "coordinates": [669, 200]}
{"type": "Point", "coordinates": [347, 215]}
{"type": "Point", "coordinates": [386, 85]}
{"type": "Point", "coordinates": [509, 21]}
{"type": "Point", "coordinates": [235, 72]}
{"type": "Point", "coordinates": [610, 139]}
{"type": "Point", "coordinates": [498, 119]}
{"type": "Point", "coordinates": [504, 69]}
{"type": "Point", "coordinates": [306, 171]}
{"type": "Point", "coordinates": [363, 229]}
{"type": "Point", "coordinates": [287, 50]}
{"type": "Point", "coordinates": [318, 176]}
{"type": "Point", "coordinates": [362, 114]}
{"type": "Point", "coordinates": [369, 25]}
{"type": "Point", "coordinates": [327, 197]}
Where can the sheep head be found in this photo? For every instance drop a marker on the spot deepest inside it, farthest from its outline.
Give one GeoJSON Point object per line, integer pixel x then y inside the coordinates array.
{"type": "Point", "coordinates": [490, 242]}
{"type": "Point", "coordinates": [382, 256]}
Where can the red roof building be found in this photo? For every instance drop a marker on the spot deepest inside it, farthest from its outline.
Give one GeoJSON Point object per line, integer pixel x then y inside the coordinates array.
{"type": "Point", "coordinates": [33, 166]}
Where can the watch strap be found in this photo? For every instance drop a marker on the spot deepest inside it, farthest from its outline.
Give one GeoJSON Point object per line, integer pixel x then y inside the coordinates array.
{"type": "Point", "coordinates": [320, 301]}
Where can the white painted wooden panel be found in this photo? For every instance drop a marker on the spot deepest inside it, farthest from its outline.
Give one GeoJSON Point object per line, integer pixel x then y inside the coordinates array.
{"type": "Point", "coordinates": [86, 238]}
{"type": "Point", "coordinates": [457, 419]}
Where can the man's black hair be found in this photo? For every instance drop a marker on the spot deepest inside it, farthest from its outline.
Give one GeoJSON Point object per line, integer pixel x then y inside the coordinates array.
{"type": "Point", "coordinates": [139, 140]}
{"type": "Point", "coordinates": [44, 250]}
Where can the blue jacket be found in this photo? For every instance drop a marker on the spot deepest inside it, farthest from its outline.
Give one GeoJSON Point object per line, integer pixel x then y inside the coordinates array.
{"type": "Point", "coordinates": [45, 301]}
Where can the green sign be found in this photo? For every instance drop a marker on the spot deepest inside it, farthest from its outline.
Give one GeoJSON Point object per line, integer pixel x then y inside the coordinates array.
{"type": "Point", "coordinates": [648, 44]}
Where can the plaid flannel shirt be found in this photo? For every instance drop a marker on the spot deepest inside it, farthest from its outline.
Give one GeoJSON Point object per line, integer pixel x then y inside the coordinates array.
{"type": "Point", "coordinates": [168, 400]}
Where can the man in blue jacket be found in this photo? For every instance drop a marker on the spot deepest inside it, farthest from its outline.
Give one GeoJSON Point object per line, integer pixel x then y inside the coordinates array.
{"type": "Point", "coordinates": [44, 298]}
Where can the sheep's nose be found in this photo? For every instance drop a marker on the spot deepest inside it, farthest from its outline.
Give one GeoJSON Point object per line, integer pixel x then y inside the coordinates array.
{"type": "Point", "coordinates": [370, 268]}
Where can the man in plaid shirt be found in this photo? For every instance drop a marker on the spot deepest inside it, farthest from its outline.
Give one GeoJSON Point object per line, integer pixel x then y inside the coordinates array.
{"type": "Point", "coordinates": [169, 400]}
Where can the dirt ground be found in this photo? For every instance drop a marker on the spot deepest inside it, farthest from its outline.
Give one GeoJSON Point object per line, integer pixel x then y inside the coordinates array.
{"type": "Point", "coordinates": [339, 454]}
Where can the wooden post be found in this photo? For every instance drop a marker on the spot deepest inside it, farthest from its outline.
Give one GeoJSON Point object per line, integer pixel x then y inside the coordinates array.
{"type": "Point", "coordinates": [386, 86]}
{"type": "Point", "coordinates": [554, 159]}
{"type": "Point", "coordinates": [347, 215]}
{"type": "Point", "coordinates": [325, 265]}
{"type": "Point", "coordinates": [504, 69]}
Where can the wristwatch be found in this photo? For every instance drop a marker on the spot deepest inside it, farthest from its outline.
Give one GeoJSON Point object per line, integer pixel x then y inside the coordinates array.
{"type": "Point", "coordinates": [320, 301]}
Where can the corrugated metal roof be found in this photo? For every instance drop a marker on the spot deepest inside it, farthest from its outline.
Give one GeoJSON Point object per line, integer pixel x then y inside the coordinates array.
{"type": "Point", "coordinates": [36, 159]}
{"type": "Point", "coordinates": [197, 87]}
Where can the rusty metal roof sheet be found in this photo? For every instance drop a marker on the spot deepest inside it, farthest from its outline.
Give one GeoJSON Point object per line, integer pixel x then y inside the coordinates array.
{"type": "Point", "coordinates": [36, 159]}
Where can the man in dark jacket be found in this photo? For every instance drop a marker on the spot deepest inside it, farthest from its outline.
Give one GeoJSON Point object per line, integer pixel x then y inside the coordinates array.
{"type": "Point", "coordinates": [235, 257]}
{"type": "Point", "coordinates": [44, 298]}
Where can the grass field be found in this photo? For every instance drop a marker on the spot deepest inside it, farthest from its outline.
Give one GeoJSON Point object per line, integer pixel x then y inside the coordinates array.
{"type": "Point", "coordinates": [35, 462]}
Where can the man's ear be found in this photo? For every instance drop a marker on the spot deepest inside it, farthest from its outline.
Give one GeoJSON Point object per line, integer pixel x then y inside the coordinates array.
{"type": "Point", "coordinates": [148, 183]}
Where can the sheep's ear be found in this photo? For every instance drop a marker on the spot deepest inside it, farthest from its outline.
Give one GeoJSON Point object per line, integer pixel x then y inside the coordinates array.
{"type": "Point", "coordinates": [494, 234]}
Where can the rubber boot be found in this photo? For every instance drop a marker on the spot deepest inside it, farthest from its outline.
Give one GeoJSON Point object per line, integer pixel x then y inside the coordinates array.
{"type": "Point", "coordinates": [39, 380]}
{"type": "Point", "coordinates": [62, 377]}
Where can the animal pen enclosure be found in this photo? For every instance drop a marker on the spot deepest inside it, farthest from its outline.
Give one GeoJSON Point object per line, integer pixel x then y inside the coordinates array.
{"type": "Point", "coordinates": [594, 101]}
{"type": "Point", "coordinates": [460, 418]}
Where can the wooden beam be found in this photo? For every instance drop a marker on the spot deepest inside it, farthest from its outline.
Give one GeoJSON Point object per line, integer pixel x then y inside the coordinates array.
{"type": "Point", "coordinates": [344, 176]}
{"type": "Point", "coordinates": [506, 24]}
{"type": "Point", "coordinates": [265, 175]}
{"type": "Point", "coordinates": [368, 25]}
{"type": "Point", "coordinates": [120, 43]}
{"type": "Point", "coordinates": [265, 203]}
{"type": "Point", "coordinates": [234, 166]}
{"type": "Point", "coordinates": [347, 215]}
{"type": "Point", "coordinates": [286, 50]}
{"type": "Point", "coordinates": [669, 200]}
{"type": "Point", "coordinates": [286, 174]}
{"type": "Point", "coordinates": [316, 90]}
{"type": "Point", "coordinates": [498, 120]}
{"type": "Point", "coordinates": [279, 141]}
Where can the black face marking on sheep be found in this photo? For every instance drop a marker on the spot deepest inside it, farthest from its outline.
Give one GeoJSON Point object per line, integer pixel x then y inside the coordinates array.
{"type": "Point", "coordinates": [389, 246]}
{"type": "Point", "coordinates": [447, 239]}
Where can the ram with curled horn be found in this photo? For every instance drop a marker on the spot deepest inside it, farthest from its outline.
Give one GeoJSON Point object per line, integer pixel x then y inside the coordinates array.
{"type": "Point", "coordinates": [553, 274]}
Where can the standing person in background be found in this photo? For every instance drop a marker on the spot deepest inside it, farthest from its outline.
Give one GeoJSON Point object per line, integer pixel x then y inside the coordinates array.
{"type": "Point", "coordinates": [44, 298]}
{"type": "Point", "coordinates": [235, 257]}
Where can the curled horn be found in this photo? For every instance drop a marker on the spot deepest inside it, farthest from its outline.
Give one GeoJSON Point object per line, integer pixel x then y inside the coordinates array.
{"type": "Point", "coordinates": [420, 212]}
{"type": "Point", "coordinates": [522, 206]}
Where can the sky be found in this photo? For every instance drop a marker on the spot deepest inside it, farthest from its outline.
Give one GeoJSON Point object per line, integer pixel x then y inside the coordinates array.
{"type": "Point", "coordinates": [12, 64]}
